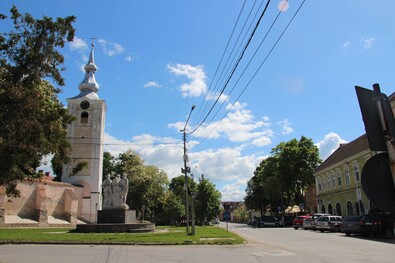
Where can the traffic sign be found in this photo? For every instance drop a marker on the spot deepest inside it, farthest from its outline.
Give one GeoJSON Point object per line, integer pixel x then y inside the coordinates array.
{"type": "Point", "coordinates": [226, 215]}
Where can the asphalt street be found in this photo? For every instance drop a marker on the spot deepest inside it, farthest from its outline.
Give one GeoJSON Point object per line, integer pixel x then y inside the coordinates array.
{"type": "Point", "coordinates": [264, 245]}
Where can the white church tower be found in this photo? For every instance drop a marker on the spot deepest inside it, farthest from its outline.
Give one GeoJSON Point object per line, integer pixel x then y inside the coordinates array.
{"type": "Point", "coordinates": [86, 135]}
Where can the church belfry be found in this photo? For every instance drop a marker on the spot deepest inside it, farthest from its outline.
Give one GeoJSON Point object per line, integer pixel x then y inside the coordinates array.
{"type": "Point", "coordinates": [86, 136]}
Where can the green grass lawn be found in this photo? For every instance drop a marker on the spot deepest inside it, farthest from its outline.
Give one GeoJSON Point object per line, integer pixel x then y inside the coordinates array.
{"type": "Point", "coordinates": [208, 235]}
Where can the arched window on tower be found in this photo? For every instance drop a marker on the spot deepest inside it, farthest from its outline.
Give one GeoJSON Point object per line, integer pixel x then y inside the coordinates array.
{"type": "Point", "coordinates": [84, 117]}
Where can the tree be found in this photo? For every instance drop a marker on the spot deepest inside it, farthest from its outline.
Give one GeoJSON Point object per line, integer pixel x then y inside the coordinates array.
{"type": "Point", "coordinates": [241, 214]}
{"type": "Point", "coordinates": [173, 208]}
{"type": "Point", "coordinates": [177, 187]}
{"type": "Point", "coordinates": [256, 197]}
{"type": "Point", "coordinates": [33, 121]}
{"type": "Point", "coordinates": [207, 202]}
{"type": "Point", "coordinates": [283, 177]}
{"type": "Point", "coordinates": [297, 161]}
{"type": "Point", "coordinates": [147, 183]}
{"type": "Point", "coordinates": [109, 164]}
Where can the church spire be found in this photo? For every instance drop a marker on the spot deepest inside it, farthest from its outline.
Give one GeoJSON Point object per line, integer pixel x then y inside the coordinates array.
{"type": "Point", "coordinates": [89, 83]}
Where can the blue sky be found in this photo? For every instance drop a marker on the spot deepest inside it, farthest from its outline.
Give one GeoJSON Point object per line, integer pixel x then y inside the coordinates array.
{"type": "Point", "coordinates": [158, 58]}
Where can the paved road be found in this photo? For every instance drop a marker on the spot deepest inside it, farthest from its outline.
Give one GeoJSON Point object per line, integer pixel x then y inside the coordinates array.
{"type": "Point", "coordinates": [272, 245]}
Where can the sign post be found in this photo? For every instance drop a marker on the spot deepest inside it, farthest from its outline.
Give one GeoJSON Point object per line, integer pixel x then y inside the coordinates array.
{"type": "Point", "coordinates": [227, 218]}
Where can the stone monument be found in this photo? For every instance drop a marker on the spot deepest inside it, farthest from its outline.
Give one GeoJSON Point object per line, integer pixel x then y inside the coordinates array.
{"type": "Point", "coordinates": [115, 209]}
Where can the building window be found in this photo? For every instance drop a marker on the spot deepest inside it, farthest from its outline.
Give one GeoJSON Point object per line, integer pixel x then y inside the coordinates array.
{"type": "Point", "coordinates": [323, 209]}
{"type": "Point", "coordinates": [339, 179]}
{"type": "Point", "coordinates": [333, 181]}
{"type": "Point", "coordinates": [319, 186]}
{"type": "Point", "coordinates": [329, 182]}
{"type": "Point", "coordinates": [347, 175]}
{"type": "Point", "coordinates": [350, 210]}
{"type": "Point", "coordinates": [330, 211]}
{"type": "Point", "coordinates": [338, 209]}
{"type": "Point", "coordinates": [356, 172]}
{"type": "Point", "coordinates": [84, 117]}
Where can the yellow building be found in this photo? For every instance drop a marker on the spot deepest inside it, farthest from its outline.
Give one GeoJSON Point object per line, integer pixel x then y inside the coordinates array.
{"type": "Point", "coordinates": [338, 178]}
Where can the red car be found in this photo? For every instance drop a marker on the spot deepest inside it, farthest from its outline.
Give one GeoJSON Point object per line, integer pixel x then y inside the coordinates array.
{"type": "Point", "coordinates": [298, 221]}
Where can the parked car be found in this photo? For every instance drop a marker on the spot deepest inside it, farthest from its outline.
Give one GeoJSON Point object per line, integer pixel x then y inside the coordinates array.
{"type": "Point", "coordinates": [377, 224]}
{"type": "Point", "coordinates": [270, 221]}
{"type": "Point", "coordinates": [288, 220]}
{"type": "Point", "coordinates": [350, 225]}
{"type": "Point", "coordinates": [307, 223]}
{"type": "Point", "coordinates": [298, 221]}
{"type": "Point", "coordinates": [315, 218]}
{"type": "Point", "coordinates": [329, 223]}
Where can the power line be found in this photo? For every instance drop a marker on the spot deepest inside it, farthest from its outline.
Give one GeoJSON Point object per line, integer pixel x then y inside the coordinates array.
{"type": "Point", "coordinates": [258, 69]}
{"type": "Point", "coordinates": [201, 108]}
{"type": "Point", "coordinates": [234, 67]}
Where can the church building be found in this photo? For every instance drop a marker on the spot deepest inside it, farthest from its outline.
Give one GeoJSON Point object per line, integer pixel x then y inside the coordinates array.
{"type": "Point", "coordinates": [77, 198]}
{"type": "Point", "coordinates": [86, 135]}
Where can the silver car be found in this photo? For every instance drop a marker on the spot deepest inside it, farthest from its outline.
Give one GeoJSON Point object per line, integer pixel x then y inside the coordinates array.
{"type": "Point", "coordinates": [307, 223]}
{"type": "Point", "coordinates": [329, 223]}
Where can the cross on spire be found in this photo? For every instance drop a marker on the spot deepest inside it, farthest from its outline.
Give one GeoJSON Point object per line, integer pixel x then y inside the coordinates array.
{"type": "Point", "coordinates": [93, 41]}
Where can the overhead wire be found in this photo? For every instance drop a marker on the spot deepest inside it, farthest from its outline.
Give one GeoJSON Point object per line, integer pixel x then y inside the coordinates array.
{"type": "Point", "coordinates": [209, 93]}
{"type": "Point", "coordinates": [249, 63]}
{"type": "Point", "coordinates": [258, 69]}
{"type": "Point", "coordinates": [233, 69]}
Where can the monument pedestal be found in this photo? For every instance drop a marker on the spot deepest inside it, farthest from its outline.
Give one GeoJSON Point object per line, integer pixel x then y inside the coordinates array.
{"type": "Point", "coordinates": [116, 216]}
{"type": "Point", "coordinates": [116, 220]}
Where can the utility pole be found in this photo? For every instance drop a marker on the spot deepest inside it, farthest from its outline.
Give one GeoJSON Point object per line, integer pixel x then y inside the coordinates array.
{"type": "Point", "coordinates": [186, 170]}
{"type": "Point", "coordinates": [193, 210]}
{"type": "Point", "coordinates": [186, 179]}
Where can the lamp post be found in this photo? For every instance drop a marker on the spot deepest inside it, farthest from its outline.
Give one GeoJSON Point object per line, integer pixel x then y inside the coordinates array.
{"type": "Point", "coordinates": [186, 169]}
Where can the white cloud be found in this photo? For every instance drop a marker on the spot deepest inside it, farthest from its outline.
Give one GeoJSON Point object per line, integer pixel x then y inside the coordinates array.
{"type": "Point", "coordinates": [128, 58]}
{"type": "Point", "coordinates": [368, 42]}
{"type": "Point", "coordinates": [152, 84]}
{"type": "Point", "coordinates": [346, 45]}
{"type": "Point", "coordinates": [197, 85]}
{"type": "Point", "coordinates": [78, 44]}
{"type": "Point", "coordinates": [110, 48]}
{"type": "Point", "coordinates": [238, 126]}
{"type": "Point", "coordinates": [264, 139]}
{"type": "Point", "coordinates": [225, 164]}
{"type": "Point", "coordinates": [285, 127]}
{"type": "Point", "coordinates": [329, 144]}
{"type": "Point", "coordinates": [225, 167]}
{"type": "Point", "coordinates": [214, 96]}
{"type": "Point", "coordinates": [234, 191]}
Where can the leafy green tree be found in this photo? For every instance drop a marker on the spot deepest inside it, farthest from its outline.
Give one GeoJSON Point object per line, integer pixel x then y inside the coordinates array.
{"type": "Point", "coordinates": [297, 161]}
{"type": "Point", "coordinates": [177, 187]}
{"type": "Point", "coordinates": [109, 164]}
{"type": "Point", "coordinates": [207, 201]}
{"type": "Point", "coordinates": [33, 121]}
{"type": "Point", "coordinates": [173, 208]}
{"type": "Point", "coordinates": [241, 214]}
{"type": "Point", "coordinates": [256, 197]}
{"type": "Point", "coordinates": [147, 183]}
{"type": "Point", "coordinates": [283, 177]}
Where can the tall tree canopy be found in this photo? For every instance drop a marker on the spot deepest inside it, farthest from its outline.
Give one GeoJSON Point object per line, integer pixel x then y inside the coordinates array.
{"type": "Point", "coordinates": [284, 176]}
{"type": "Point", "coordinates": [208, 201]}
{"type": "Point", "coordinates": [33, 120]}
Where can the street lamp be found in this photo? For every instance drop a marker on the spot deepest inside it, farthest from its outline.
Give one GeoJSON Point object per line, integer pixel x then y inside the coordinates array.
{"type": "Point", "coordinates": [186, 169]}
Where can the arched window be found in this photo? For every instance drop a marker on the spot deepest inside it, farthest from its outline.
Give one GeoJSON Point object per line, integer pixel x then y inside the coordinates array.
{"type": "Point", "coordinates": [350, 210]}
{"type": "Point", "coordinates": [84, 117]}
{"type": "Point", "coordinates": [330, 210]}
{"type": "Point", "coordinates": [359, 208]}
{"type": "Point", "coordinates": [338, 210]}
{"type": "Point", "coordinates": [323, 209]}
